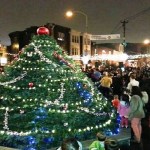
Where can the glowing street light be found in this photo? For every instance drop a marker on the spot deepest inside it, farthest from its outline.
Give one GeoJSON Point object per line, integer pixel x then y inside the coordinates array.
{"type": "Point", "coordinates": [71, 13]}
{"type": "Point", "coordinates": [147, 41]}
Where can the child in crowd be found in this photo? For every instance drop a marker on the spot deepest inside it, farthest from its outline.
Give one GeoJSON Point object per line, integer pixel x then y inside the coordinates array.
{"type": "Point", "coordinates": [115, 101]}
{"type": "Point", "coordinates": [99, 143]}
{"type": "Point", "coordinates": [123, 110]}
{"type": "Point", "coordinates": [102, 143]}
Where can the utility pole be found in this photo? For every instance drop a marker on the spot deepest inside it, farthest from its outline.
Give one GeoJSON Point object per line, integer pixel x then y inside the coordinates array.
{"type": "Point", "coordinates": [124, 22]}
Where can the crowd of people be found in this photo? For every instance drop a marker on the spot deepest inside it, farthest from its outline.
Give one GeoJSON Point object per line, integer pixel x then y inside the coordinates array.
{"type": "Point", "coordinates": [100, 143]}
{"type": "Point", "coordinates": [112, 82]}
{"type": "Point", "coordinates": [129, 93]}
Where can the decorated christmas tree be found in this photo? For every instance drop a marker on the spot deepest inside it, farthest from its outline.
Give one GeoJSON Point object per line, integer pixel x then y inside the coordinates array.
{"type": "Point", "coordinates": [46, 97]}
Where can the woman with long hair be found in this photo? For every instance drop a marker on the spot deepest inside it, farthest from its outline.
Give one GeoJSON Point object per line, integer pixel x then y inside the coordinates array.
{"type": "Point", "coordinates": [136, 112]}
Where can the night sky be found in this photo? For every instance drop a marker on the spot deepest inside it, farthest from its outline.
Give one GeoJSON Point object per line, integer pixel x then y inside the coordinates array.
{"type": "Point", "coordinates": [104, 17]}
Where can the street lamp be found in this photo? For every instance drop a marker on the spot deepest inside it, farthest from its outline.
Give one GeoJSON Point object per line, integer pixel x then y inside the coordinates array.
{"type": "Point", "coordinates": [71, 13]}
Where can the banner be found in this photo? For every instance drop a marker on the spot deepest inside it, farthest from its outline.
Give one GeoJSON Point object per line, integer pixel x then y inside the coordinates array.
{"type": "Point", "coordinates": [105, 37]}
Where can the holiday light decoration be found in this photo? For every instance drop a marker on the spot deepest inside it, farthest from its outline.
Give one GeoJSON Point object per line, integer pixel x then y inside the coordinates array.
{"type": "Point", "coordinates": [56, 55]}
{"type": "Point", "coordinates": [45, 95]}
{"type": "Point", "coordinates": [113, 57]}
{"type": "Point", "coordinates": [57, 101]}
{"type": "Point", "coordinates": [6, 119]}
{"type": "Point", "coordinates": [14, 80]}
{"type": "Point", "coordinates": [43, 57]}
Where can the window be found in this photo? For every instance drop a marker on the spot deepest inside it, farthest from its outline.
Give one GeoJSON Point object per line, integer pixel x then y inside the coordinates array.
{"type": "Point", "coordinates": [61, 36]}
{"type": "Point", "coordinates": [75, 39]}
{"type": "Point", "coordinates": [74, 51]}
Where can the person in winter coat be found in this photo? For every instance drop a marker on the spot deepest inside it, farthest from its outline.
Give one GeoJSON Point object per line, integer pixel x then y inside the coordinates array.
{"type": "Point", "coordinates": [117, 84]}
{"type": "Point", "coordinates": [96, 75]}
{"type": "Point", "coordinates": [123, 110]}
{"type": "Point", "coordinates": [136, 113]}
{"type": "Point", "coordinates": [98, 144]}
{"type": "Point", "coordinates": [133, 82]}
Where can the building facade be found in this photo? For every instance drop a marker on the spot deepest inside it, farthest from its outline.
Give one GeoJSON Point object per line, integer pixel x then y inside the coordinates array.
{"type": "Point", "coordinates": [71, 41]}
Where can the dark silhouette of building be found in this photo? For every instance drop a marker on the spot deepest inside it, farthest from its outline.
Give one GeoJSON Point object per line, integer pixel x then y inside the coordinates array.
{"type": "Point", "coordinates": [21, 38]}
{"type": "Point", "coordinates": [61, 35]}
{"type": "Point", "coordinates": [64, 37]}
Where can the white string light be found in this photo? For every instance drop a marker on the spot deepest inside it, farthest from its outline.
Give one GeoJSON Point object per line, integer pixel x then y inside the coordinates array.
{"type": "Point", "coordinates": [43, 57]}
{"type": "Point", "coordinates": [6, 119]}
{"type": "Point", "coordinates": [138, 56]}
{"type": "Point", "coordinates": [54, 131]}
{"type": "Point", "coordinates": [14, 80]}
{"type": "Point", "coordinates": [57, 100]}
{"type": "Point", "coordinates": [95, 57]}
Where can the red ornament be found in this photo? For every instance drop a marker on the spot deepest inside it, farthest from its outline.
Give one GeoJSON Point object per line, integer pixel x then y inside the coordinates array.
{"type": "Point", "coordinates": [43, 31]}
{"type": "Point", "coordinates": [31, 85]}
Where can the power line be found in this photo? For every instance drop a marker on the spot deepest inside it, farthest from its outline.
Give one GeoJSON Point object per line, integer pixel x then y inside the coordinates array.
{"type": "Point", "coordinates": [131, 18]}
{"type": "Point", "coordinates": [138, 14]}
{"type": "Point", "coordinates": [117, 27]}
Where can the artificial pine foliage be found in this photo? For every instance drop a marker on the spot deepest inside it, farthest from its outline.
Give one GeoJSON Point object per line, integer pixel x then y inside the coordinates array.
{"type": "Point", "coordinates": [45, 97]}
